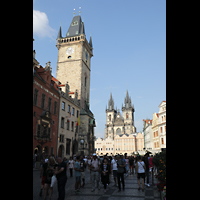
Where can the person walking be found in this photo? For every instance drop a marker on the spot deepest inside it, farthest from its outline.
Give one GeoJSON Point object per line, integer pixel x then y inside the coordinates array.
{"type": "Point", "coordinates": [120, 172]}
{"type": "Point", "coordinates": [140, 171]}
{"type": "Point", "coordinates": [43, 175]}
{"type": "Point", "coordinates": [105, 168]}
{"type": "Point", "coordinates": [131, 162]}
{"type": "Point", "coordinates": [49, 174]}
{"type": "Point", "coordinates": [83, 166]}
{"type": "Point", "coordinates": [114, 169]}
{"type": "Point", "coordinates": [146, 161]}
{"type": "Point", "coordinates": [127, 165]}
{"type": "Point", "coordinates": [61, 178]}
{"type": "Point", "coordinates": [95, 165]}
{"type": "Point", "coordinates": [71, 166]}
{"type": "Point", "coordinates": [78, 171]}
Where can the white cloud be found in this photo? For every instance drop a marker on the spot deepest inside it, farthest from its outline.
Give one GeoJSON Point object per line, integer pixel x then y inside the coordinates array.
{"type": "Point", "coordinates": [41, 25]}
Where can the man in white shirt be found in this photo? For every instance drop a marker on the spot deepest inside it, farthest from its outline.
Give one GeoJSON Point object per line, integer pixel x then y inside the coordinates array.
{"type": "Point", "coordinates": [114, 169]}
{"type": "Point", "coordinates": [95, 165]}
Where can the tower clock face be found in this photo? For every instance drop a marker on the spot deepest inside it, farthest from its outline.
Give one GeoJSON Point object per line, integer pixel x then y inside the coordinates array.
{"type": "Point", "coordinates": [69, 51]}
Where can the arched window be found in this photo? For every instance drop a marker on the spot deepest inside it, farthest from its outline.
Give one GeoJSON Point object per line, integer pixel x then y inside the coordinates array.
{"type": "Point", "coordinates": [118, 131]}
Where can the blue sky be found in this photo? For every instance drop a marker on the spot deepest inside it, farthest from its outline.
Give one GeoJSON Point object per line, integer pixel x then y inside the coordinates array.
{"type": "Point", "coordinates": [129, 41]}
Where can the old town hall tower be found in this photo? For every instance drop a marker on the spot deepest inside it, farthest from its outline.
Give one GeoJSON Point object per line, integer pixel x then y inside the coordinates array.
{"type": "Point", "coordinates": [74, 59]}
{"type": "Point", "coordinates": [73, 71]}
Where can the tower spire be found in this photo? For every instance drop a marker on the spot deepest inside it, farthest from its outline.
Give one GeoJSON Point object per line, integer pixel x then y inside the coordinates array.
{"type": "Point", "coordinates": [59, 32]}
{"type": "Point", "coordinates": [90, 43]}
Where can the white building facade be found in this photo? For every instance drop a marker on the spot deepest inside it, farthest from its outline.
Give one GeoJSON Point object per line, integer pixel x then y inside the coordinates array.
{"type": "Point", "coordinates": [148, 136]}
{"type": "Point", "coordinates": [162, 124]}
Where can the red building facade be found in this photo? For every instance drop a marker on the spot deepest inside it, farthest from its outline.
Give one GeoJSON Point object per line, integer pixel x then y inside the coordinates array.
{"type": "Point", "coordinates": [45, 111]}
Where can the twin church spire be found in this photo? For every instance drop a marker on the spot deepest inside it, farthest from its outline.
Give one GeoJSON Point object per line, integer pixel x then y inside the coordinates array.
{"type": "Point", "coordinates": [127, 102]}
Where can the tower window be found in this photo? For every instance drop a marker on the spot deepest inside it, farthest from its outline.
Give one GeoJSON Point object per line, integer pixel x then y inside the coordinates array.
{"type": "Point", "coordinates": [69, 57]}
{"type": "Point", "coordinates": [85, 81]}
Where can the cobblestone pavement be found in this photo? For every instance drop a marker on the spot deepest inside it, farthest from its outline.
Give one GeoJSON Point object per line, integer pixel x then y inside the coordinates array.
{"type": "Point", "coordinates": [131, 190]}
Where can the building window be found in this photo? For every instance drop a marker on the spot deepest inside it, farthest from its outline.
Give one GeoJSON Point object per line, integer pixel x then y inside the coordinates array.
{"type": "Point", "coordinates": [49, 104]}
{"type": "Point", "coordinates": [109, 117]}
{"type": "Point", "coordinates": [63, 105]}
{"type": "Point", "coordinates": [85, 81]}
{"type": "Point", "coordinates": [62, 122]}
{"type": "Point", "coordinates": [157, 144]}
{"type": "Point", "coordinates": [35, 100]}
{"type": "Point", "coordinates": [67, 125]}
{"type": "Point", "coordinates": [77, 113]}
{"type": "Point", "coordinates": [72, 126]}
{"type": "Point", "coordinates": [165, 128]}
{"type": "Point", "coordinates": [55, 108]}
{"type": "Point", "coordinates": [61, 138]}
{"type": "Point", "coordinates": [43, 101]}
{"type": "Point", "coordinates": [162, 141]}
{"type": "Point", "coordinates": [72, 111]}
{"type": "Point", "coordinates": [68, 110]}
{"type": "Point", "coordinates": [161, 129]}
{"type": "Point", "coordinates": [126, 115]}
{"type": "Point", "coordinates": [68, 142]}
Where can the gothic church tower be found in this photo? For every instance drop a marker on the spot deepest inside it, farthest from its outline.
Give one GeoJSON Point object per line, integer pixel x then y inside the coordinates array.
{"type": "Point", "coordinates": [128, 115]}
{"type": "Point", "coordinates": [117, 124]}
{"type": "Point", "coordinates": [74, 59]}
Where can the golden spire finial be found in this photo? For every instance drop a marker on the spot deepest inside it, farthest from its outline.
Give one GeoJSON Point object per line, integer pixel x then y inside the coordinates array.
{"type": "Point", "coordinates": [74, 12]}
{"type": "Point", "coordinates": [80, 11]}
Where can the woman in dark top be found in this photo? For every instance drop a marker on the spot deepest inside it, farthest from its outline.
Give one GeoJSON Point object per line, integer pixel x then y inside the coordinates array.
{"type": "Point", "coordinates": [105, 168]}
{"type": "Point", "coordinates": [49, 173]}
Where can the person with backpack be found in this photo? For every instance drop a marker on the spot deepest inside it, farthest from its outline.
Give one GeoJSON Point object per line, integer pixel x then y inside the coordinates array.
{"type": "Point", "coordinates": [120, 172]}
{"type": "Point", "coordinates": [140, 172]}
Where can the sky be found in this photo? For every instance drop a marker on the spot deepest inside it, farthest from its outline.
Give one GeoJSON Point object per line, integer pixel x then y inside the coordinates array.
{"type": "Point", "coordinates": [129, 48]}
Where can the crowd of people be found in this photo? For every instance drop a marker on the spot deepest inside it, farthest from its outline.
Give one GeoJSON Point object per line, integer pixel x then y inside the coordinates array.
{"type": "Point", "coordinates": [99, 168]}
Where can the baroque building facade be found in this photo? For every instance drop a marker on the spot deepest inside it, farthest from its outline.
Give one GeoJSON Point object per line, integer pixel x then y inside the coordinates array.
{"type": "Point", "coordinates": [74, 67]}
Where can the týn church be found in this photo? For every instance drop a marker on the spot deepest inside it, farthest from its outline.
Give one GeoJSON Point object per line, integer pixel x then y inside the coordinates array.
{"type": "Point", "coordinates": [120, 132]}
